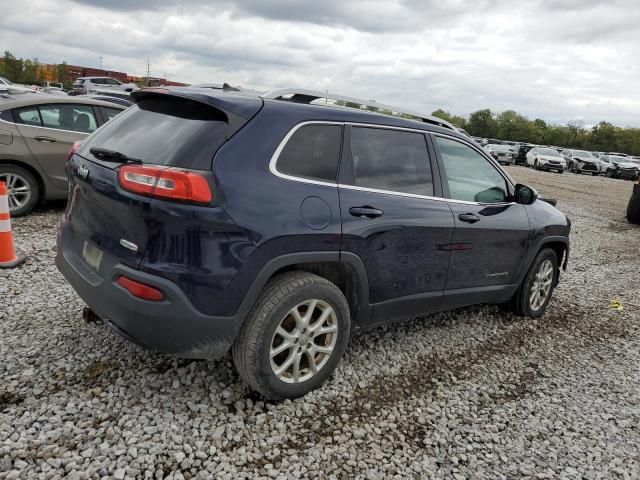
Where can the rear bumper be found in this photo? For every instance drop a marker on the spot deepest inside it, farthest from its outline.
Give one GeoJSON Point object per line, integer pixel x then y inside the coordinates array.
{"type": "Point", "coordinates": [172, 326]}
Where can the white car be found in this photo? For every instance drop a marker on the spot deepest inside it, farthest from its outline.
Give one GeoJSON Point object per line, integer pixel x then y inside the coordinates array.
{"type": "Point", "coordinates": [85, 85]}
{"type": "Point", "coordinates": [614, 166]}
{"type": "Point", "coordinates": [501, 153]}
{"type": "Point", "coordinates": [544, 158]}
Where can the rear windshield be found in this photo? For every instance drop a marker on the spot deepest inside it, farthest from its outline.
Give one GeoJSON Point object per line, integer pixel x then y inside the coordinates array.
{"type": "Point", "coordinates": [164, 130]}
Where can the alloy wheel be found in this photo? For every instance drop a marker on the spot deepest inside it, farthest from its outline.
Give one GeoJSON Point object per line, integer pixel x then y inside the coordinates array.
{"type": "Point", "coordinates": [303, 341]}
{"type": "Point", "coordinates": [541, 286]}
{"type": "Point", "coordinates": [19, 190]}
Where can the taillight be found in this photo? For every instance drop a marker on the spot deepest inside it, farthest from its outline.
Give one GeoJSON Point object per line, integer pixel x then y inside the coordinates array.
{"type": "Point", "coordinates": [140, 290]}
{"type": "Point", "coordinates": [74, 148]}
{"type": "Point", "coordinates": [165, 182]}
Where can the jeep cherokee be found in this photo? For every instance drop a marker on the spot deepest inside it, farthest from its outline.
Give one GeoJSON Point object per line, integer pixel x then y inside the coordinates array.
{"type": "Point", "coordinates": [204, 221]}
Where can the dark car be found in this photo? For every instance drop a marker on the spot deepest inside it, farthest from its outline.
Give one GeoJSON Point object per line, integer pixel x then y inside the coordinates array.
{"type": "Point", "coordinates": [201, 221]}
{"type": "Point", "coordinates": [581, 161]}
{"type": "Point", "coordinates": [520, 152]}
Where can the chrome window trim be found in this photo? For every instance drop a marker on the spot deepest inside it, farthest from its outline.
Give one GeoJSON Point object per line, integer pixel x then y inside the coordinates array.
{"type": "Point", "coordinates": [276, 154]}
{"type": "Point", "coordinates": [283, 143]}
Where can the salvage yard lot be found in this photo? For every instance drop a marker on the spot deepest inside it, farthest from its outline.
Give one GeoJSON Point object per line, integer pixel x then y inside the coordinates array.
{"type": "Point", "coordinates": [474, 393]}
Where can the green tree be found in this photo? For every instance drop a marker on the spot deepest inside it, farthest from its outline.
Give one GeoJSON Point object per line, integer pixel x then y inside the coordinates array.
{"type": "Point", "coordinates": [512, 126]}
{"type": "Point", "coordinates": [450, 117]}
{"type": "Point", "coordinates": [603, 137]}
{"type": "Point", "coordinates": [482, 123]}
{"type": "Point", "coordinates": [12, 67]}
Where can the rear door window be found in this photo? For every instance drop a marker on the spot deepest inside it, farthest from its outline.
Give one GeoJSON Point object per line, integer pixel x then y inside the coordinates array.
{"type": "Point", "coordinates": [312, 152]}
{"type": "Point", "coordinates": [109, 113]}
{"type": "Point", "coordinates": [78, 118]}
{"type": "Point", "coordinates": [391, 160]}
{"type": "Point", "coordinates": [165, 130]}
{"type": "Point", "coordinates": [27, 116]}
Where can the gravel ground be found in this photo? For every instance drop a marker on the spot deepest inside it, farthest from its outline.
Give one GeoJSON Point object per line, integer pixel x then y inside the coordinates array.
{"type": "Point", "coordinates": [474, 393]}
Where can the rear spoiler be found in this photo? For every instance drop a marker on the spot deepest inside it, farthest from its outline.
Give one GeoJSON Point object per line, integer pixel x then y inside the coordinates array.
{"type": "Point", "coordinates": [238, 108]}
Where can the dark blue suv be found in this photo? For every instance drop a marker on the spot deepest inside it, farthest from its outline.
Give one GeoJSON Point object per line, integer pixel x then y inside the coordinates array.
{"type": "Point", "coordinates": [201, 221]}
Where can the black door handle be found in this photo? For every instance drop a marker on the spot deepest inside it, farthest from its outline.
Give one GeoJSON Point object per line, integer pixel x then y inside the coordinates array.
{"type": "Point", "coordinates": [46, 139]}
{"type": "Point", "coordinates": [468, 218]}
{"type": "Point", "coordinates": [368, 212]}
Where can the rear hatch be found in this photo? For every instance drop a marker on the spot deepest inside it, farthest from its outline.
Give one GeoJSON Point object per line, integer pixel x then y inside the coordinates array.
{"type": "Point", "coordinates": [179, 130]}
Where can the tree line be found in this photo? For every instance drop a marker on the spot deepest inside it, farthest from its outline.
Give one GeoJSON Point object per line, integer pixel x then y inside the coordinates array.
{"type": "Point", "coordinates": [27, 71]}
{"type": "Point", "coordinates": [510, 125]}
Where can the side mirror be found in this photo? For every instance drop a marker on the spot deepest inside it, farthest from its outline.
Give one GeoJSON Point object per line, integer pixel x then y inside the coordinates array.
{"type": "Point", "coordinates": [525, 195]}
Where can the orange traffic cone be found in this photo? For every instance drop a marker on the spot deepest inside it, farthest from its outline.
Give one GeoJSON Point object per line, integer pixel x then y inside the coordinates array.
{"type": "Point", "coordinates": [8, 257]}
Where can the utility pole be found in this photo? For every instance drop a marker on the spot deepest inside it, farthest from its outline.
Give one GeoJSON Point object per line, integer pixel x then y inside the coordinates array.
{"type": "Point", "coordinates": [148, 72]}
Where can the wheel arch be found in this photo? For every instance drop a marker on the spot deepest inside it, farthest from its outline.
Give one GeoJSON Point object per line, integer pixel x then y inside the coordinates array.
{"type": "Point", "coordinates": [42, 188]}
{"type": "Point", "coordinates": [560, 245]}
{"type": "Point", "coordinates": [345, 270]}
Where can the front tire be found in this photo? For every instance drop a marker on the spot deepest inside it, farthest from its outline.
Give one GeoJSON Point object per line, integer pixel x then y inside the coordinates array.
{"type": "Point", "coordinates": [294, 336]}
{"type": "Point", "coordinates": [610, 174]}
{"type": "Point", "coordinates": [533, 296]}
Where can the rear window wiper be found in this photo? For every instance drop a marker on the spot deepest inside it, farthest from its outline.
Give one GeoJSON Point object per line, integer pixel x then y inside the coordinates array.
{"type": "Point", "coordinates": [112, 156]}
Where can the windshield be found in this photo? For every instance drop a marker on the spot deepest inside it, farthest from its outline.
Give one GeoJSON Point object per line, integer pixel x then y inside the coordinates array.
{"type": "Point", "coordinates": [5, 81]}
{"type": "Point", "coordinates": [582, 153]}
{"type": "Point", "coordinates": [164, 130]}
{"type": "Point", "coordinates": [549, 152]}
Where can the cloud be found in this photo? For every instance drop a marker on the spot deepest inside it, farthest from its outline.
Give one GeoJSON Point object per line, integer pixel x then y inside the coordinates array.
{"type": "Point", "coordinates": [553, 59]}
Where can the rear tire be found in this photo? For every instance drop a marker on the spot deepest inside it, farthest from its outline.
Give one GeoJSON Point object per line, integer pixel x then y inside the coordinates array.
{"type": "Point", "coordinates": [24, 190]}
{"type": "Point", "coordinates": [276, 346]}
{"type": "Point", "coordinates": [524, 302]}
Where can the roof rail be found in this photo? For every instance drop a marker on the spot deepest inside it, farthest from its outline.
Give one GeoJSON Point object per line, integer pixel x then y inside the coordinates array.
{"type": "Point", "coordinates": [300, 95]}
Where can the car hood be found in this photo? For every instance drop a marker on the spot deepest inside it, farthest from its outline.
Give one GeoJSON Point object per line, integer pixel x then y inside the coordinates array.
{"type": "Point", "coordinates": [628, 165]}
{"type": "Point", "coordinates": [586, 160]}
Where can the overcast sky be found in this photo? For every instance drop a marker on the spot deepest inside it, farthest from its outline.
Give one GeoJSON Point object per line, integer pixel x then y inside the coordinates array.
{"type": "Point", "coordinates": [554, 59]}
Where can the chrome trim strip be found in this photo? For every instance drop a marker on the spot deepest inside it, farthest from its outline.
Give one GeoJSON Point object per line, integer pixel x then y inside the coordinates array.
{"type": "Point", "coordinates": [15, 124]}
{"type": "Point", "coordinates": [276, 154]}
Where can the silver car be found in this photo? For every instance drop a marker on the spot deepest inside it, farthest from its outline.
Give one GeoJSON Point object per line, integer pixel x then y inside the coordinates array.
{"type": "Point", "coordinates": [36, 134]}
{"type": "Point", "coordinates": [84, 85]}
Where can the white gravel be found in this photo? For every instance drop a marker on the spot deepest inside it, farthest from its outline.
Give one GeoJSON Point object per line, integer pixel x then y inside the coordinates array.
{"type": "Point", "coordinates": [474, 393]}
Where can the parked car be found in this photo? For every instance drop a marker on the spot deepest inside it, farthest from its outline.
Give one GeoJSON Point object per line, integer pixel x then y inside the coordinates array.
{"type": "Point", "coordinates": [581, 161]}
{"type": "Point", "coordinates": [520, 152]}
{"type": "Point", "coordinates": [614, 166]}
{"type": "Point", "coordinates": [85, 85]}
{"type": "Point", "coordinates": [36, 133]}
{"type": "Point", "coordinates": [501, 153]}
{"type": "Point", "coordinates": [276, 228]}
{"type": "Point", "coordinates": [545, 158]}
